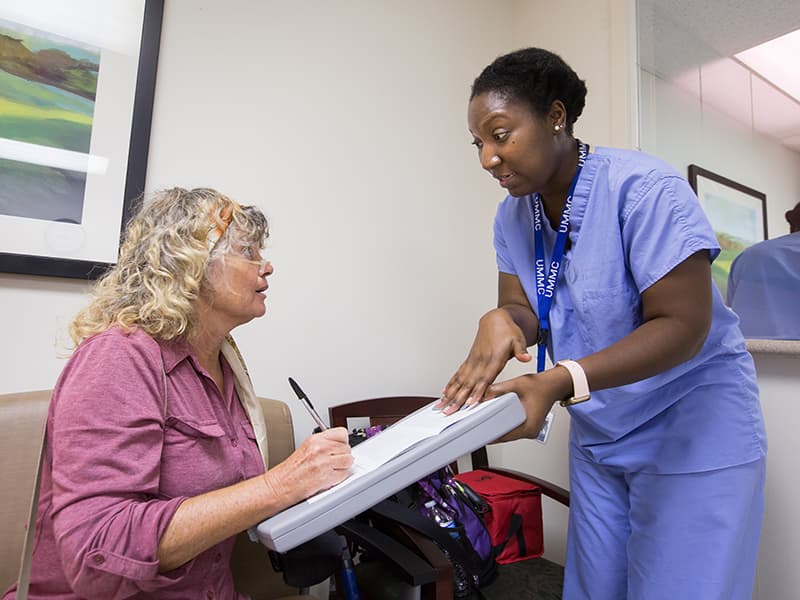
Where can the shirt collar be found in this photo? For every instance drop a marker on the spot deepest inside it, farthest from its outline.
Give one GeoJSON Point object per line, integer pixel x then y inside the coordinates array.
{"type": "Point", "coordinates": [174, 351]}
{"type": "Point", "coordinates": [582, 191]}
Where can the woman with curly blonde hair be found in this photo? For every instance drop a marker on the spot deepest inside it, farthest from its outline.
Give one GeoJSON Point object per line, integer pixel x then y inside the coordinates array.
{"type": "Point", "coordinates": [155, 450]}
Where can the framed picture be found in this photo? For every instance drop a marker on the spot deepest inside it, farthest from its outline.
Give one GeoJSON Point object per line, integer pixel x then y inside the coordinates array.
{"type": "Point", "coordinates": [76, 99]}
{"type": "Point", "coordinates": [737, 213]}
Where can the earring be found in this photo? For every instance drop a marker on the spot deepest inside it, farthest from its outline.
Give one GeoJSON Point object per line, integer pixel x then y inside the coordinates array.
{"type": "Point", "coordinates": [557, 128]}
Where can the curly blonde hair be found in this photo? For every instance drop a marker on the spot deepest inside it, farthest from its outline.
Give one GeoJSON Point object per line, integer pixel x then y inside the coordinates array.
{"type": "Point", "coordinates": [163, 262]}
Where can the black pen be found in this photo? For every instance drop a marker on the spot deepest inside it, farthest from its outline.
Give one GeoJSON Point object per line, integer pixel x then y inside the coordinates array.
{"type": "Point", "coordinates": [307, 403]}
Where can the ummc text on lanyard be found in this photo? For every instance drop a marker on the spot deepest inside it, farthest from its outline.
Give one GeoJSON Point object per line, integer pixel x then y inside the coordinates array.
{"type": "Point", "coordinates": [546, 281]}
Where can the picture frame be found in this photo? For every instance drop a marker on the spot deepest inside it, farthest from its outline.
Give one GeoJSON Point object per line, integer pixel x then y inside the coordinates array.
{"type": "Point", "coordinates": [737, 213]}
{"type": "Point", "coordinates": [64, 202]}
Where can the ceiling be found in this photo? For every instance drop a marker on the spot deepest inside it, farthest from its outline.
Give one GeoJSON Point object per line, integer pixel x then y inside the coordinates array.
{"type": "Point", "coordinates": [692, 44]}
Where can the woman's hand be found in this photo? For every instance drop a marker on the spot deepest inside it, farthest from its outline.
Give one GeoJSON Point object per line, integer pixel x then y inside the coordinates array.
{"type": "Point", "coordinates": [498, 340]}
{"type": "Point", "coordinates": [537, 392]}
{"type": "Point", "coordinates": [321, 461]}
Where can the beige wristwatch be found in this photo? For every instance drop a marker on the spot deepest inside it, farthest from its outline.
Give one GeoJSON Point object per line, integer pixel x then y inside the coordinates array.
{"type": "Point", "coordinates": [580, 387]}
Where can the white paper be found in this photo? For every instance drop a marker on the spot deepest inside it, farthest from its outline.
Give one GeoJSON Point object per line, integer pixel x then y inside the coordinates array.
{"type": "Point", "coordinates": [393, 441]}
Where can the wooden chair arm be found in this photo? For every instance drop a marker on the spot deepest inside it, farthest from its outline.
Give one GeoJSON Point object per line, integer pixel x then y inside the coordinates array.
{"type": "Point", "coordinates": [404, 562]}
{"type": "Point", "coordinates": [422, 545]}
{"type": "Point", "coordinates": [444, 586]}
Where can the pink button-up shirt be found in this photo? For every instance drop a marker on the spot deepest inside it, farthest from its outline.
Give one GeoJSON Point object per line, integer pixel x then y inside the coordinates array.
{"type": "Point", "coordinates": [116, 470]}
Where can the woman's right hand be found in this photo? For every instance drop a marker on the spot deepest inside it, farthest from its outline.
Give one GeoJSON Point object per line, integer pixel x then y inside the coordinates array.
{"type": "Point", "coordinates": [498, 340]}
{"type": "Point", "coordinates": [321, 461]}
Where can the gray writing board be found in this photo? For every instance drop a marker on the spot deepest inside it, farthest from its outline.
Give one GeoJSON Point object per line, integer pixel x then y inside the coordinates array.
{"type": "Point", "coordinates": [308, 519]}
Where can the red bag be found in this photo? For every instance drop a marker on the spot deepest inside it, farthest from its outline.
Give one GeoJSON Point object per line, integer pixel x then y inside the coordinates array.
{"type": "Point", "coordinates": [514, 518]}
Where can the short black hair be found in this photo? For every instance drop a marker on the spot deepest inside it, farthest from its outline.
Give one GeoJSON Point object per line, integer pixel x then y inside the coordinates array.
{"type": "Point", "coordinates": [537, 77]}
{"type": "Point", "coordinates": [793, 218]}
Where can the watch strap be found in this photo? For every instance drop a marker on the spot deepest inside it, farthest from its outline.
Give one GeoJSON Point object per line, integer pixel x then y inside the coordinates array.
{"type": "Point", "coordinates": [580, 386]}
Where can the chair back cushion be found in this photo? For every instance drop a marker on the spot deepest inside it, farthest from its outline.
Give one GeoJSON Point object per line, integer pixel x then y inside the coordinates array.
{"type": "Point", "coordinates": [252, 571]}
{"type": "Point", "coordinates": [22, 416]}
{"type": "Point", "coordinates": [280, 430]}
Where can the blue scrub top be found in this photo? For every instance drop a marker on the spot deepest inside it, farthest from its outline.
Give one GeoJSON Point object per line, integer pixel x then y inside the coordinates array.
{"type": "Point", "coordinates": [764, 288]}
{"type": "Point", "coordinates": [633, 220]}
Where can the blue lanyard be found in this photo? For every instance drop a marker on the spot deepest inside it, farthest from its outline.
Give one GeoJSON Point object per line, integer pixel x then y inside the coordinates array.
{"type": "Point", "coordinates": [547, 279]}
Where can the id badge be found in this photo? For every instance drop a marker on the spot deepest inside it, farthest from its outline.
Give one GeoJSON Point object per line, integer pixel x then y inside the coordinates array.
{"type": "Point", "coordinates": [545, 431]}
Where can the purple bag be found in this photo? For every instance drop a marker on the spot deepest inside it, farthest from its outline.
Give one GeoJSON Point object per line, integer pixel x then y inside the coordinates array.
{"type": "Point", "coordinates": [447, 493]}
{"type": "Point", "coordinates": [456, 509]}
{"type": "Point", "coordinates": [451, 498]}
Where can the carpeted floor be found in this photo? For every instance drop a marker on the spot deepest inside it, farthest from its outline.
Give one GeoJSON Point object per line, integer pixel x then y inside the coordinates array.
{"type": "Point", "coordinates": [535, 579]}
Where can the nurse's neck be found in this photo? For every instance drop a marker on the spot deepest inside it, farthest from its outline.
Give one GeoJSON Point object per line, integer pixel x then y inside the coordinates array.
{"type": "Point", "coordinates": [554, 195]}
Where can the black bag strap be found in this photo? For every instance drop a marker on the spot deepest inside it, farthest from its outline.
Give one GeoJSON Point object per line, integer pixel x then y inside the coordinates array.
{"type": "Point", "coordinates": [393, 511]}
{"type": "Point", "coordinates": [514, 530]}
{"type": "Point", "coordinates": [311, 562]}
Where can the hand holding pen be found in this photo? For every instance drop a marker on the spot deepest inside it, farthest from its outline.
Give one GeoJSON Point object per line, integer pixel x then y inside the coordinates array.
{"type": "Point", "coordinates": [321, 461]}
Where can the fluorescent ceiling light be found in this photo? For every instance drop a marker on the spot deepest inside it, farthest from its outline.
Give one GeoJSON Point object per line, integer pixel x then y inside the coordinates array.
{"type": "Point", "coordinates": [776, 61]}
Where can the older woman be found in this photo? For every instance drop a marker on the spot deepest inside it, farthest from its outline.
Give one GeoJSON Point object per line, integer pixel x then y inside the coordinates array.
{"type": "Point", "coordinates": [155, 449]}
{"type": "Point", "coordinates": [604, 258]}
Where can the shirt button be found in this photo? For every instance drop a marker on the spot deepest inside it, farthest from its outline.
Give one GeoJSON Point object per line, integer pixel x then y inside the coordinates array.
{"type": "Point", "coordinates": [234, 442]}
{"type": "Point", "coordinates": [98, 559]}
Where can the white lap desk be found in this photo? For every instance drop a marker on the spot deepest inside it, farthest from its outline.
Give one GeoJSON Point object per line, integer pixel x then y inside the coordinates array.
{"type": "Point", "coordinates": [373, 482]}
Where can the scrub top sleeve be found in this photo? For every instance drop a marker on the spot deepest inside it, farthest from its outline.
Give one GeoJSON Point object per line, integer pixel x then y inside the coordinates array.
{"type": "Point", "coordinates": [504, 263]}
{"type": "Point", "coordinates": [664, 225]}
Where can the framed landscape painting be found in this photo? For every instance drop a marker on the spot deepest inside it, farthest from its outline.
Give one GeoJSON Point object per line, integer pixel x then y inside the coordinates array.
{"type": "Point", "coordinates": [737, 213]}
{"type": "Point", "coordinates": [76, 95]}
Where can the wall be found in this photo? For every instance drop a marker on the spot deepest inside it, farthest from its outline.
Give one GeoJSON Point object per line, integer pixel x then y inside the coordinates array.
{"type": "Point", "coordinates": [35, 314]}
{"type": "Point", "coordinates": [777, 577]}
{"type": "Point", "coordinates": [598, 40]}
{"type": "Point", "coordinates": [346, 123]}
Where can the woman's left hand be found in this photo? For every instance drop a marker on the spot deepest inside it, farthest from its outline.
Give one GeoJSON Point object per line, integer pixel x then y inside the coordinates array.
{"type": "Point", "coordinates": [537, 392]}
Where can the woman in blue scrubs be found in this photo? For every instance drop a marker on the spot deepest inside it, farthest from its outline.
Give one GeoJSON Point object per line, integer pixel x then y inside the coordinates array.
{"type": "Point", "coordinates": [604, 258]}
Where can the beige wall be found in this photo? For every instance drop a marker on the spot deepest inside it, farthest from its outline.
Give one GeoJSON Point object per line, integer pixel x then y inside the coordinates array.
{"type": "Point", "coordinates": [777, 577]}
{"type": "Point", "coordinates": [598, 39]}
